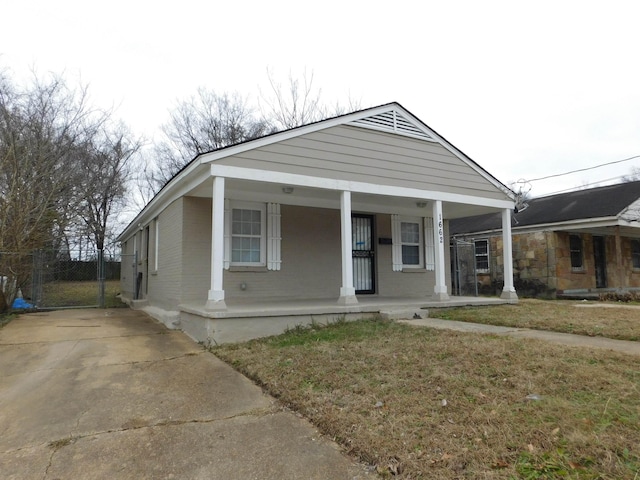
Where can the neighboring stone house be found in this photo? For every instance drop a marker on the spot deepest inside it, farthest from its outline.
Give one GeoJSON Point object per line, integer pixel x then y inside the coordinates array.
{"type": "Point", "coordinates": [578, 243]}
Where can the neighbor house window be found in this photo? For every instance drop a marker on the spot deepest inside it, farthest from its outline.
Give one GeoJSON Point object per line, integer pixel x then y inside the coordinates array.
{"type": "Point", "coordinates": [482, 255]}
{"type": "Point", "coordinates": [248, 229]}
{"type": "Point", "coordinates": [575, 246]}
{"type": "Point", "coordinates": [635, 253]}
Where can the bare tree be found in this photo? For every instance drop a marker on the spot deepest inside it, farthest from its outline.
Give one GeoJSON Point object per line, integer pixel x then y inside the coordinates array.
{"type": "Point", "coordinates": [298, 102]}
{"type": "Point", "coordinates": [632, 176]}
{"type": "Point", "coordinates": [205, 122]}
{"type": "Point", "coordinates": [106, 168]}
{"type": "Point", "coordinates": [41, 126]}
{"type": "Point", "coordinates": [63, 169]}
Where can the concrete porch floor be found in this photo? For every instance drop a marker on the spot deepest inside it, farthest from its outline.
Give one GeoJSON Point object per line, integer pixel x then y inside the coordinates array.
{"type": "Point", "coordinates": [366, 304]}
{"type": "Point", "coordinates": [244, 321]}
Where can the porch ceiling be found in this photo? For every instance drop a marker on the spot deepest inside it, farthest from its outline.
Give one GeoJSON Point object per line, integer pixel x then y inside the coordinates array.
{"type": "Point", "coordinates": [246, 190]}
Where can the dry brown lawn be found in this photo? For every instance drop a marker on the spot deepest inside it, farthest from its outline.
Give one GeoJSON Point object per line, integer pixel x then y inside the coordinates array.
{"type": "Point", "coordinates": [415, 402]}
{"type": "Point", "coordinates": [605, 319]}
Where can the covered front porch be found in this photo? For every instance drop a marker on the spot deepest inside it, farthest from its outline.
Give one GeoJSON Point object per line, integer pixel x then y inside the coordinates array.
{"type": "Point", "coordinates": [403, 250]}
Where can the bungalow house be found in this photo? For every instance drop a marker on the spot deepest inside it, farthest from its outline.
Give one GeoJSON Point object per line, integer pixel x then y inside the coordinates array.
{"type": "Point", "coordinates": [340, 217]}
{"type": "Point", "coordinates": [580, 243]}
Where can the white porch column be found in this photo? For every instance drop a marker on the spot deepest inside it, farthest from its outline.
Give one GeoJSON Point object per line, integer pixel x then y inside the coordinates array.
{"type": "Point", "coordinates": [440, 288]}
{"type": "Point", "coordinates": [347, 291]}
{"type": "Point", "coordinates": [215, 298]}
{"type": "Point", "coordinates": [508, 291]}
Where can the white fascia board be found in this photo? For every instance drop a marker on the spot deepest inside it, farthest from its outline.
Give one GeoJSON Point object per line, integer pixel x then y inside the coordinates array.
{"type": "Point", "coordinates": [438, 139]}
{"type": "Point", "coordinates": [571, 224]}
{"type": "Point", "coordinates": [352, 186]}
{"type": "Point", "coordinates": [582, 224]}
{"type": "Point", "coordinates": [176, 188]}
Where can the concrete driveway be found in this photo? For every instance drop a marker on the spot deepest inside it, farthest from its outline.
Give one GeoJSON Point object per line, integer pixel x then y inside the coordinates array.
{"type": "Point", "coordinates": [113, 394]}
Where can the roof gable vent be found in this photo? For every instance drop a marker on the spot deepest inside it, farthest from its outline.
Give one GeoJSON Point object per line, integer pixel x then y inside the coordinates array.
{"type": "Point", "coordinates": [393, 122]}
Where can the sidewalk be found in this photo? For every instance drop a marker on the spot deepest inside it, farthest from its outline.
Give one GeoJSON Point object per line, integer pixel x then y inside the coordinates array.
{"type": "Point", "coordinates": [112, 394]}
{"type": "Point", "coordinates": [624, 346]}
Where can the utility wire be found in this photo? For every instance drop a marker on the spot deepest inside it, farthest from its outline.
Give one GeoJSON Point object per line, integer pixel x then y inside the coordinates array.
{"type": "Point", "coordinates": [581, 187]}
{"type": "Point", "coordinates": [584, 169]}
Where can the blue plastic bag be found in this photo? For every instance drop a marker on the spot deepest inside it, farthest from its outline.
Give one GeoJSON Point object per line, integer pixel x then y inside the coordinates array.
{"type": "Point", "coordinates": [20, 303]}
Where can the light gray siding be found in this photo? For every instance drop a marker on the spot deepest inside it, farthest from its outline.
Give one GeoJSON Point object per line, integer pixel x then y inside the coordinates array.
{"type": "Point", "coordinates": [360, 154]}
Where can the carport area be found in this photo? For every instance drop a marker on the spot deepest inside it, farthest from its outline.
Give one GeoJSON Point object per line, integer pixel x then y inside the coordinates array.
{"type": "Point", "coordinates": [114, 394]}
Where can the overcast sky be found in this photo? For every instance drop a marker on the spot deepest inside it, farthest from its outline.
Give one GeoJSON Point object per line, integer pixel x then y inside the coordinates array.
{"type": "Point", "coordinates": [525, 89]}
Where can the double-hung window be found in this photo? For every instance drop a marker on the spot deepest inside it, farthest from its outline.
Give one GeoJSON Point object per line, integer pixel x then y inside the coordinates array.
{"type": "Point", "coordinates": [413, 243]}
{"type": "Point", "coordinates": [248, 235]}
{"type": "Point", "coordinates": [575, 247]}
{"type": "Point", "coordinates": [252, 235]}
{"type": "Point", "coordinates": [482, 255]}
{"type": "Point", "coordinates": [411, 240]}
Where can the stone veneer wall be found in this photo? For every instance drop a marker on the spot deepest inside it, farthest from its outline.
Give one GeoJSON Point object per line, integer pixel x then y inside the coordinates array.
{"type": "Point", "coordinates": [542, 264]}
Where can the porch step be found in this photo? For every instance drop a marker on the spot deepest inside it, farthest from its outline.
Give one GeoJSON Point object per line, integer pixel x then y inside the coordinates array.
{"type": "Point", "coordinates": [404, 314]}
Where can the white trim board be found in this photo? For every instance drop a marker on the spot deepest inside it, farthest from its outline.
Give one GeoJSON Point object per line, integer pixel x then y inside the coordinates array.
{"type": "Point", "coordinates": [294, 179]}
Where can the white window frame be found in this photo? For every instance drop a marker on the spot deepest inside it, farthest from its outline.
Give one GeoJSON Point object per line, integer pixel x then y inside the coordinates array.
{"type": "Point", "coordinates": [476, 255]}
{"type": "Point", "coordinates": [396, 233]}
{"type": "Point", "coordinates": [262, 207]}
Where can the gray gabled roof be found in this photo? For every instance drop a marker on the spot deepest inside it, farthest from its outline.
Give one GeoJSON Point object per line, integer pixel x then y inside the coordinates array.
{"type": "Point", "coordinates": [600, 202]}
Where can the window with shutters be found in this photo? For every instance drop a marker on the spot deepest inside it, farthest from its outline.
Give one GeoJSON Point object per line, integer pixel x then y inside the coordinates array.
{"type": "Point", "coordinates": [252, 235]}
{"type": "Point", "coordinates": [248, 235]}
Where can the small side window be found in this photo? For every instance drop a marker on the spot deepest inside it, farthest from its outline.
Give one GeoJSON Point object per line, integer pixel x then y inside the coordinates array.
{"type": "Point", "coordinates": [635, 254]}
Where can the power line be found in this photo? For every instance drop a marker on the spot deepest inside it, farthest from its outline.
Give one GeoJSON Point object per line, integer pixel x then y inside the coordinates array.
{"type": "Point", "coordinates": [583, 186]}
{"type": "Point", "coordinates": [584, 169]}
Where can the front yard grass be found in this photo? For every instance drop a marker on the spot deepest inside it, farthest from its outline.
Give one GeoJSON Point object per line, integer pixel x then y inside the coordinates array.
{"type": "Point", "coordinates": [611, 320]}
{"type": "Point", "coordinates": [422, 403]}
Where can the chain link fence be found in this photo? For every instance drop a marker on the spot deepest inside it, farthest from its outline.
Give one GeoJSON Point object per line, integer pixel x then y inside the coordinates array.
{"type": "Point", "coordinates": [464, 276]}
{"type": "Point", "coordinates": [42, 279]}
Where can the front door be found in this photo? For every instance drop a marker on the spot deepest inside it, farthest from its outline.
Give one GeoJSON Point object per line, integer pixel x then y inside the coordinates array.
{"type": "Point", "coordinates": [600, 262]}
{"type": "Point", "coordinates": [363, 253]}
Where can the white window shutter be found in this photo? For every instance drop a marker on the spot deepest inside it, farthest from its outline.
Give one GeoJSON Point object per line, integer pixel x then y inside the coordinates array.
{"type": "Point", "coordinates": [227, 234]}
{"type": "Point", "coordinates": [396, 243]}
{"type": "Point", "coordinates": [429, 244]}
{"type": "Point", "coordinates": [274, 236]}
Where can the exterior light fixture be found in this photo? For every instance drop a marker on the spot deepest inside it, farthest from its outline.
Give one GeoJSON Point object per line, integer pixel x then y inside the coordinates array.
{"type": "Point", "coordinates": [287, 189]}
{"type": "Point", "coordinates": [421, 204]}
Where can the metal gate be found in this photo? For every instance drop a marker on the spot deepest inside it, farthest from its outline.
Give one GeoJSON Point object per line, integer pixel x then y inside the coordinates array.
{"type": "Point", "coordinates": [46, 279]}
{"type": "Point", "coordinates": [464, 278]}
{"type": "Point", "coordinates": [363, 253]}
